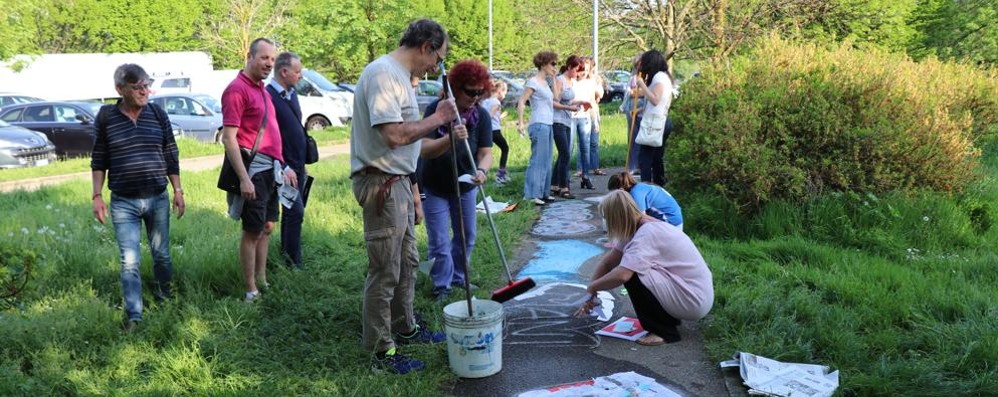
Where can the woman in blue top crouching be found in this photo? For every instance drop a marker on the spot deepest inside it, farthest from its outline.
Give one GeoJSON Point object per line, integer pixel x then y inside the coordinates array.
{"type": "Point", "coordinates": [651, 199]}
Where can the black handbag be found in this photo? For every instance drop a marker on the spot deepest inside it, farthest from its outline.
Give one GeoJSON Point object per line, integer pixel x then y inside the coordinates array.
{"type": "Point", "coordinates": [311, 150]}
{"type": "Point", "coordinates": [228, 179]}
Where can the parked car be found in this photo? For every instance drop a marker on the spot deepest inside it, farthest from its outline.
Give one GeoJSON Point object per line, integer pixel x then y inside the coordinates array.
{"type": "Point", "coordinates": [513, 92]}
{"type": "Point", "coordinates": [348, 86]}
{"type": "Point", "coordinates": [615, 85]}
{"type": "Point", "coordinates": [68, 125]}
{"type": "Point", "coordinates": [21, 147]}
{"type": "Point", "coordinates": [314, 84]}
{"type": "Point", "coordinates": [199, 115]}
{"type": "Point", "coordinates": [9, 98]}
{"type": "Point", "coordinates": [427, 91]}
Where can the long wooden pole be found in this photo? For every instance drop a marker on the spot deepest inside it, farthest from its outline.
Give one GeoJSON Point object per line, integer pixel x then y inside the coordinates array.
{"type": "Point", "coordinates": [630, 133]}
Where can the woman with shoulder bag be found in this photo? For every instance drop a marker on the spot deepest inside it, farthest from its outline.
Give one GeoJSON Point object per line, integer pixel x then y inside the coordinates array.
{"type": "Point", "coordinates": [656, 87]}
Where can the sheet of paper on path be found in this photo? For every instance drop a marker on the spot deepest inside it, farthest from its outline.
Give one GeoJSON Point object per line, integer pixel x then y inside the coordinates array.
{"type": "Point", "coordinates": [769, 377]}
{"type": "Point", "coordinates": [619, 384]}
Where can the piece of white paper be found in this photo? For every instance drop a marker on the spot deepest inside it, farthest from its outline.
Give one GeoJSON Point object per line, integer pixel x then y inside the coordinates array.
{"type": "Point", "coordinates": [770, 377]}
{"type": "Point", "coordinates": [494, 207]}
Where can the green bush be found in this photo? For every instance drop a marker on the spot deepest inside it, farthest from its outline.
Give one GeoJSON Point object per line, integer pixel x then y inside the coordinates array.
{"type": "Point", "coordinates": [791, 121]}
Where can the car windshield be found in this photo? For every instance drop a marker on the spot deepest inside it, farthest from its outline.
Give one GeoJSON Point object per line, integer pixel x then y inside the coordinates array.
{"type": "Point", "coordinates": [320, 80]}
{"type": "Point", "coordinates": [210, 102]}
{"type": "Point", "coordinates": [93, 108]}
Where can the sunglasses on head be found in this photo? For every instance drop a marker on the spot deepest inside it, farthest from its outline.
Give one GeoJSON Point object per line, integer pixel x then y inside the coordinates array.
{"type": "Point", "coordinates": [473, 93]}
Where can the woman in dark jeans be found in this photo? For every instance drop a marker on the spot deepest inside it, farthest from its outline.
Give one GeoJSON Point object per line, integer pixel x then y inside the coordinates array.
{"type": "Point", "coordinates": [655, 84]}
{"type": "Point", "coordinates": [564, 105]}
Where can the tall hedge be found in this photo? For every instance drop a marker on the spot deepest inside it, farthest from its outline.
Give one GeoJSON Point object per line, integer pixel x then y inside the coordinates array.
{"type": "Point", "coordinates": [789, 121]}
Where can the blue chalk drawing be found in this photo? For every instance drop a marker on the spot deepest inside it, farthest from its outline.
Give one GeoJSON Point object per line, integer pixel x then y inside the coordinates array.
{"type": "Point", "coordinates": [559, 260]}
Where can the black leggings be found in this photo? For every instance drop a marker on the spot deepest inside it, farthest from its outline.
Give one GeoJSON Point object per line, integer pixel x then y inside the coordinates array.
{"type": "Point", "coordinates": [500, 141]}
{"type": "Point", "coordinates": [651, 159]}
{"type": "Point", "coordinates": [651, 314]}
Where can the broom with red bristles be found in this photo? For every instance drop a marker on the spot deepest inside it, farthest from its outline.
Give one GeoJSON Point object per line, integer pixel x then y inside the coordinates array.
{"type": "Point", "coordinates": [515, 287]}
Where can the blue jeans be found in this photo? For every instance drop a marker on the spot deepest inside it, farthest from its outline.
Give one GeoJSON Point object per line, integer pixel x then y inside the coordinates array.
{"type": "Point", "coordinates": [583, 127]}
{"type": "Point", "coordinates": [537, 178]}
{"type": "Point", "coordinates": [562, 141]}
{"type": "Point", "coordinates": [441, 214]}
{"type": "Point", "coordinates": [593, 148]}
{"type": "Point", "coordinates": [291, 221]}
{"type": "Point", "coordinates": [128, 214]}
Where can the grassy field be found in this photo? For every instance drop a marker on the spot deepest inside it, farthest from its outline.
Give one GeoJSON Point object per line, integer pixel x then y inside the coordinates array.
{"type": "Point", "coordinates": [897, 292]}
{"type": "Point", "coordinates": [189, 148]}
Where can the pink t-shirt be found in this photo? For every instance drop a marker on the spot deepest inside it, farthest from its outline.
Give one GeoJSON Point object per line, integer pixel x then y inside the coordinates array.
{"type": "Point", "coordinates": [668, 263]}
{"type": "Point", "coordinates": [242, 107]}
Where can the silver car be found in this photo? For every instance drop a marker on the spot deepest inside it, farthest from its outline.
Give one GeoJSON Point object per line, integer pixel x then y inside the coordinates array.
{"type": "Point", "coordinates": [199, 115]}
{"type": "Point", "coordinates": [21, 147]}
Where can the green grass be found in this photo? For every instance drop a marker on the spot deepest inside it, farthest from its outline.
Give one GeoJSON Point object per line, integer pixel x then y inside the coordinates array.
{"type": "Point", "coordinates": [189, 148]}
{"type": "Point", "coordinates": [897, 292]}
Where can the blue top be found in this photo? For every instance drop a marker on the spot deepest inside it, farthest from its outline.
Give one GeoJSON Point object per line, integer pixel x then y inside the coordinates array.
{"type": "Point", "coordinates": [657, 202]}
{"type": "Point", "coordinates": [541, 102]}
{"type": "Point", "coordinates": [488, 104]}
{"type": "Point", "coordinates": [562, 116]}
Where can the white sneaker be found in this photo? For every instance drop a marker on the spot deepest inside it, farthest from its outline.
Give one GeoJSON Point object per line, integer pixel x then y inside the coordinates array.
{"type": "Point", "coordinates": [251, 296]}
{"type": "Point", "coordinates": [538, 201]}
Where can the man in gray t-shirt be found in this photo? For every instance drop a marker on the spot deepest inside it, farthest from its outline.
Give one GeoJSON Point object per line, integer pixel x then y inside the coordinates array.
{"type": "Point", "coordinates": [384, 146]}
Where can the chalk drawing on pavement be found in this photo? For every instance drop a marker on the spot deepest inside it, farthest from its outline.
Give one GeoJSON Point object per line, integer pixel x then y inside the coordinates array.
{"type": "Point", "coordinates": [559, 260]}
{"type": "Point", "coordinates": [564, 219]}
{"type": "Point", "coordinates": [544, 317]}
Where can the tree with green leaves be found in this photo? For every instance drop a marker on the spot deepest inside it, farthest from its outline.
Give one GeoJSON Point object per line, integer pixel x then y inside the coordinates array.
{"type": "Point", "coordinates": [956, 30]}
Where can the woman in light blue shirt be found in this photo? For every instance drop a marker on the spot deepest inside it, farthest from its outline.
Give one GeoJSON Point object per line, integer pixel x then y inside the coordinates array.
{"type": "Point", "coordinates": [651, 199]}
{"type": "Point", "coordinates": [537, 178]}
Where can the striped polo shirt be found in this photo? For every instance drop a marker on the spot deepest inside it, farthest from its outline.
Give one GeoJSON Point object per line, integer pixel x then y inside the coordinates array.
{"type": "Point", "coordinates": [136, 155]}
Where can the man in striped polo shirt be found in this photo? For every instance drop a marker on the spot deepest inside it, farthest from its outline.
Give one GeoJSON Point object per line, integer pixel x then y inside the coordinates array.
{"type": "Point", "coordinates": [134, 148]}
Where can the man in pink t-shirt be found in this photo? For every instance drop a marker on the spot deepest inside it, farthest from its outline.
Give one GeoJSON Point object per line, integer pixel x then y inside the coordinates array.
{"type": "Point", "coordinates": [667, 279]}
{"type": "Point", "coordinates": [246, 110]}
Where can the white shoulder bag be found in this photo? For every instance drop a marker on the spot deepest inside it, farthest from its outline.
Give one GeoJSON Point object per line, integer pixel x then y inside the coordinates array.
{"type": "Point", "coordinates": [651, 130]}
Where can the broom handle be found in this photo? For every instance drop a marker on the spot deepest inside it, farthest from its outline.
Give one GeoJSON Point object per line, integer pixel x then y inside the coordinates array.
{"type": "Point", "coordinates": [630, 134]}
{"type": "Point", "coordinates": [457, 192]}
{"type": "Point", "coordinates": [488, 212]}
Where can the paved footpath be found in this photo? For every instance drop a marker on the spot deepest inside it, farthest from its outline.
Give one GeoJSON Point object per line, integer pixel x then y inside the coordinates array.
{"type": "Point", "coordinates": [186, 165]}
{"type": "Point", "coordinates": [543, 345]}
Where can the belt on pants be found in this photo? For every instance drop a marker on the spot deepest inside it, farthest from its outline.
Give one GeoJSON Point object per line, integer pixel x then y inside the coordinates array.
{"type": "Point", "coordinates": [386, 187]}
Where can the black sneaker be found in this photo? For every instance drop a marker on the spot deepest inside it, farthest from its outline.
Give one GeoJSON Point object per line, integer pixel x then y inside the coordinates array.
{"type": "Point", "coordinates": [396, 363]}
{"type": "Point", "coordinates": [420, 335]}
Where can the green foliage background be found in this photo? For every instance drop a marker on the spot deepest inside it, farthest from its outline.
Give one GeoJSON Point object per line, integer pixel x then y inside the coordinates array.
{"type": "Point", "coordinates": [339, 37]}
{"type": "Point", "coordinates": [794, 121]}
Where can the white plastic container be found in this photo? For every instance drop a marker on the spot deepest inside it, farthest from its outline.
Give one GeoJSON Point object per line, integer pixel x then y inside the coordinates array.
{"type": "Point", "coordinates": [474, 343]}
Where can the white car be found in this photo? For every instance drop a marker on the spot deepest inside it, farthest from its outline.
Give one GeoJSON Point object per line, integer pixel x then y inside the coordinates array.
{"type": "Point", "coordinates": [314, 85]}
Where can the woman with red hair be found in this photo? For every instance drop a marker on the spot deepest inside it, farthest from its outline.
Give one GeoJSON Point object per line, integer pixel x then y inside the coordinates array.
{"type": "Point", "coordinates": [444, 204]}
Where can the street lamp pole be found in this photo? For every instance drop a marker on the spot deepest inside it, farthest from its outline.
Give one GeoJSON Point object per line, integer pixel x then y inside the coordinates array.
{"type": "Point", "coordinates": [490, 35]}
{"type": "Point", "coordinates": [595, 35]}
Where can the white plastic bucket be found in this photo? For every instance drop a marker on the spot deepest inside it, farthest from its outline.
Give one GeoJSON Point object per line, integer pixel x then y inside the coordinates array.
{"type": "Point", "coordinates": [474, 343]}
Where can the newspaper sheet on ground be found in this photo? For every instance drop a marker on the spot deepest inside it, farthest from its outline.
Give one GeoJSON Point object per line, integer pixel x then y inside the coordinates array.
{"type": "Point", "coordinates": [769, 377]}
{"type": "Point", "coordinates": [619, 384]}
{"type": "Point", "coordinates": [494, 206]}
